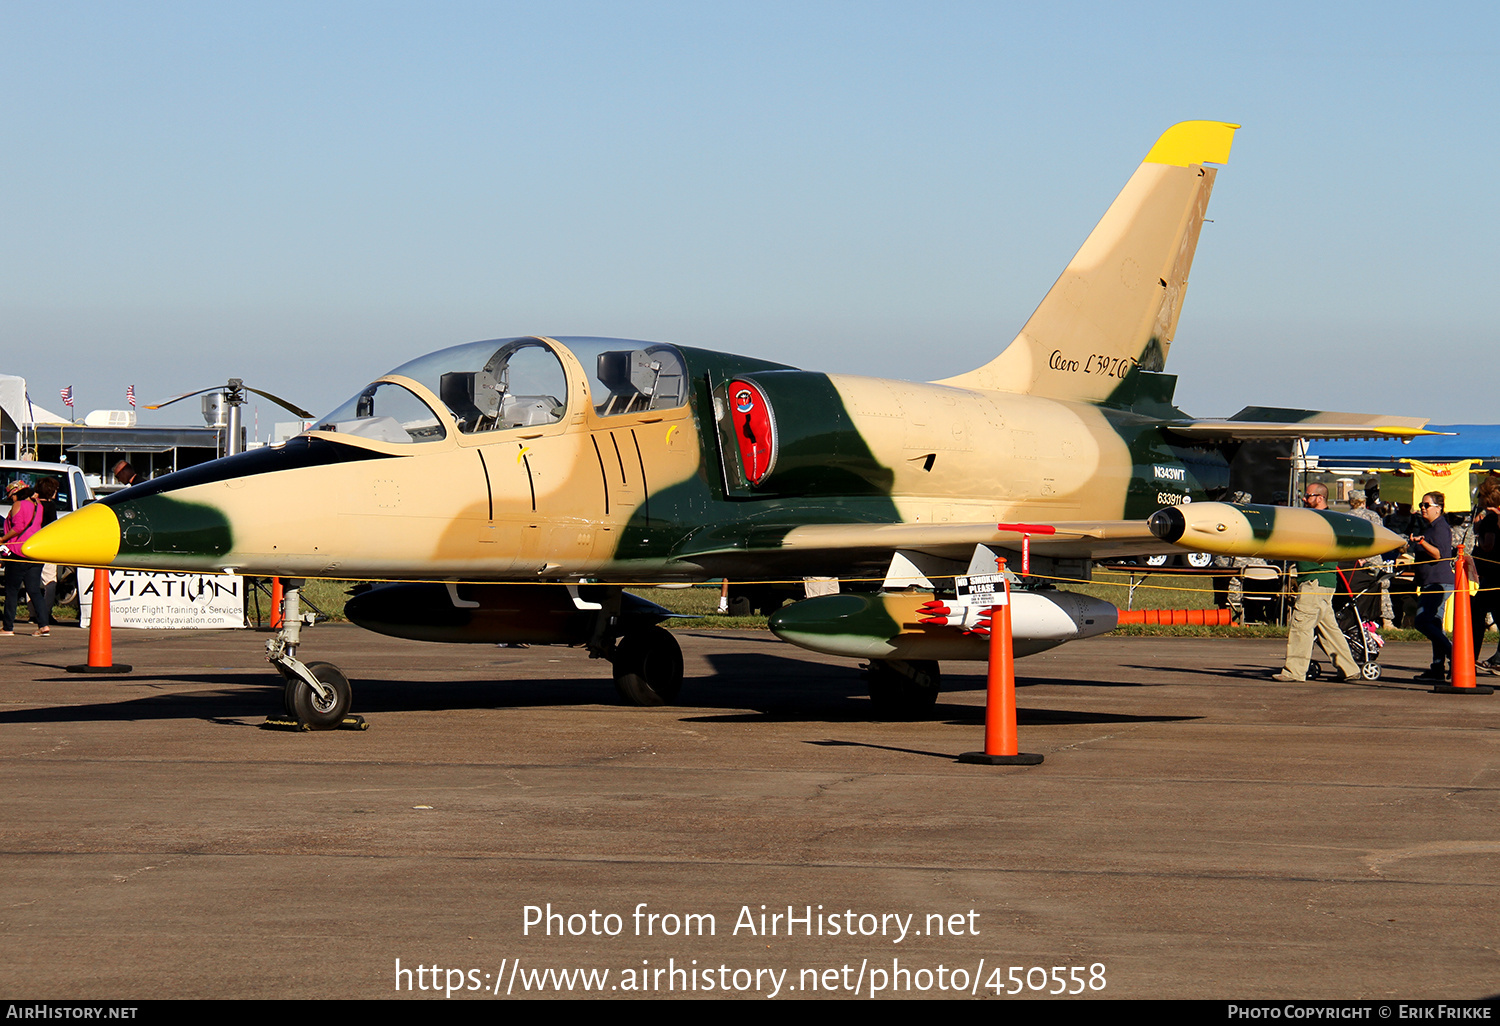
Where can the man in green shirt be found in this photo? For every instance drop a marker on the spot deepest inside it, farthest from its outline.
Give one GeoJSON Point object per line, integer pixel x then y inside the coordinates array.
{"type": "Point", "coordinates": [1313, 613]}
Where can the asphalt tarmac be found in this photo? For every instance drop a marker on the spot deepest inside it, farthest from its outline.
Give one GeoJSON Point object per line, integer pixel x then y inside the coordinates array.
{"type": "Point", "coordinates": [1196, 831]}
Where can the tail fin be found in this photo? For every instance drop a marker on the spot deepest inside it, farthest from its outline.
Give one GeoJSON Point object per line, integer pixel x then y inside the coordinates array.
{"type": "Point", "coordinates": [1116, 305]}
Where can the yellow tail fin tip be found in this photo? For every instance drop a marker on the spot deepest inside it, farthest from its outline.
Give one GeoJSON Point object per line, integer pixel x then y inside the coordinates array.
{"type": "Point", "coordinates": [1193, 142]}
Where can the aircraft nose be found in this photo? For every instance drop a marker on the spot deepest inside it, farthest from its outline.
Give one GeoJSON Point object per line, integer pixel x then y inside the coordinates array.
{"type": "Point", "coordinates": [89, 537]}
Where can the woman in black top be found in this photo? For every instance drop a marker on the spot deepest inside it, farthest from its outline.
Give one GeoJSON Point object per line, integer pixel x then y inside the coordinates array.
{"type": "Point", "coordinates": [1433, 547]}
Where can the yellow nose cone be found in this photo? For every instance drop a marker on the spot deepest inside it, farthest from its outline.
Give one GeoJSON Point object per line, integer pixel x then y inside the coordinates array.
{"type": "Point", "coordinates": [89, 537]}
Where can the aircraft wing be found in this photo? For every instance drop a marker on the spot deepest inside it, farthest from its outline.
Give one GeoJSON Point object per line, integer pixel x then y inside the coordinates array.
{"type": "Point", "coordinates": [841, 549]}
{"type": "Point", "coordinates": [1097, 539]}
{"type": "Point", "coordinates": [1271, 532]}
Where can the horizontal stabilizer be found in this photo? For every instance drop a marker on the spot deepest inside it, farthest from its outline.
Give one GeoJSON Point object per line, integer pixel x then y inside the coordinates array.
{"type": "Point", "coordinates": [1229, 431]}
{"type": "Point", "coordinates": [1264, 424]}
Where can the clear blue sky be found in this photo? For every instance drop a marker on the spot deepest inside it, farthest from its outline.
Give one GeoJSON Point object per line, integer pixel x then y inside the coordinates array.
{"type": "Point", "coordinates": [307, 194]}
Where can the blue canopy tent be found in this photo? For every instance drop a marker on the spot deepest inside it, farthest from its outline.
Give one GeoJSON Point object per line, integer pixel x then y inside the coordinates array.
{"type": "Point", "coordinates": [1467, 442]}
{"type": "Point", "coordinates": [1388, 456]}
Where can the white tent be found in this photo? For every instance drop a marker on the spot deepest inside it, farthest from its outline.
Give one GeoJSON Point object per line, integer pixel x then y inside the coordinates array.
{"type": "Point", "coordinates": [17, 405]}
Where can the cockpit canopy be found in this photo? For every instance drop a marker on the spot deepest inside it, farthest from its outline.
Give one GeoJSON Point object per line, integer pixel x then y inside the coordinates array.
{"type": "Point", "coordinates": [501, 384]}
{"type": "Point", "coordinates": [386, 412]}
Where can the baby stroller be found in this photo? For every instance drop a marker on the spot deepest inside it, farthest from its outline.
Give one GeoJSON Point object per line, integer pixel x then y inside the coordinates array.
{"type": "Point", "coordinates": [1364, 643]}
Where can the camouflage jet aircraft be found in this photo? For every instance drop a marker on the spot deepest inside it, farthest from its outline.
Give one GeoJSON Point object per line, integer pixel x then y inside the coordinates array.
{"type": "Point", "coordinates": [517, 485]}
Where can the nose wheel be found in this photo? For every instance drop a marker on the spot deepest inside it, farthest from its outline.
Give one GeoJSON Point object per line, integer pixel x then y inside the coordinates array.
{"type": "Point", "coordinates": [324, 711]}
{"type": "Point", "coordinates": [317, 696]}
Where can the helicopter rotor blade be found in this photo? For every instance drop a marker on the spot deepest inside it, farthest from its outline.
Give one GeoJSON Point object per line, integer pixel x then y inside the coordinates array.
{"type": "Point", "coordinates": [225, 388]}
{"type": "Point", "coordinates": [185, 395]}
{"type": "Point", "coordinates": [281, 402]}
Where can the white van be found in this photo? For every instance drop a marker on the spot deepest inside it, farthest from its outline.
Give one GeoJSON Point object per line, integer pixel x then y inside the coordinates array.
{"type": "Point", "coordinates": [73, 493]}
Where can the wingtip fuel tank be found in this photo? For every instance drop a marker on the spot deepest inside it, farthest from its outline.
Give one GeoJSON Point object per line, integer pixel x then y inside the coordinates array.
{"type": "Point", "coordinates": [1272, 532]}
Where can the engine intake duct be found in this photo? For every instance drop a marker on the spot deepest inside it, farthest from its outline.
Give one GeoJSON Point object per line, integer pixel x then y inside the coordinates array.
{"type": "Point", "coordinates": [1167, 524]}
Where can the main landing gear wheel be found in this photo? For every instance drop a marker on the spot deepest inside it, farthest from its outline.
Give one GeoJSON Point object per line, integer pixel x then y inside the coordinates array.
{"type": "Point", "coordinates": [903, 689]}
{"type": "Point", "coordinates": [306, 706]}
{"type": "Point", "coordinates": [1199, 560]}
{"type": "Point", "coordinates": [648, 667]}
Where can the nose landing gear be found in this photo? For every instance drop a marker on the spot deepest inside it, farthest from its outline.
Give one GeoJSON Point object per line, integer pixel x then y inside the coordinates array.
{"type": "Point", "coordinates": [317, 696]}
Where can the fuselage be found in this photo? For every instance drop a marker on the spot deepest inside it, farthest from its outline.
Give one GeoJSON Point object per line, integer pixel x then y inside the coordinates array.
{"type": "Point", "coordinates": [537, 458]}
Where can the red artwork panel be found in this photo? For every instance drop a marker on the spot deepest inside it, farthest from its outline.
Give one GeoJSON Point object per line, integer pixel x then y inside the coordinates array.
{"type": "Point", "coordinates": [754, 429]}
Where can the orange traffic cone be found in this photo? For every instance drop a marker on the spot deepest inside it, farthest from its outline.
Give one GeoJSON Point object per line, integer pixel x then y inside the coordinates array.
{"type": "Point", "coordinates": [1001, 744]}
{"type": "Point", "coordinates": [101, 645]}
{"type": "Point", "coordinates": [1463, 637]}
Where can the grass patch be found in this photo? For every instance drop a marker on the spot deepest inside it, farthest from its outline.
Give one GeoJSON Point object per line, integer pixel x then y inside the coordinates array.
{"type": "Point", "coordinates": [1151, 630]}
{"type": "Point", "coordinates": [700, 602]}
{"type": "Point", "coordinates": [329, 596]}
{"type": "Point", "coordinates": [1156, 591]}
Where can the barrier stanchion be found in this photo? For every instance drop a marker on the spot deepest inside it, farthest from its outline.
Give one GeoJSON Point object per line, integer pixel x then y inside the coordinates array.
{"type": "Point", "coordinates": [1001, 744]}
{"type": "Point", "coordinates": [1191, 617]}
{"type": "Point", "coordinates": [1463, 637]}
{"type": "Point", "coordinates": [101, 644]}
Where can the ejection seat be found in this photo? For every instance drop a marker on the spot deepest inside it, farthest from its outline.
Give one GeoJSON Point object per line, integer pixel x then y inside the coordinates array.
{"type": "Point", "coordinates": [641, 379]}
{"type": "Point", "coordinates": [529, 410]}
{"type": "Point", "coordinates": [630, 378]}
{"type": "Point", "coordinates": [456, 390]}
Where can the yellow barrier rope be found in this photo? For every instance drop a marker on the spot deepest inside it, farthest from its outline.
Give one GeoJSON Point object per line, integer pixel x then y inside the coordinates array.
{"type": "Point", "coordinates": [1144, 572]}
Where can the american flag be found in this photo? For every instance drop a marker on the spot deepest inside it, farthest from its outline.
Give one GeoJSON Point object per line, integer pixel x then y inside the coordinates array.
{"type": "Point", "coordinates": [67, 395]}
{"type": "Point", "coordinates": [130, 395]}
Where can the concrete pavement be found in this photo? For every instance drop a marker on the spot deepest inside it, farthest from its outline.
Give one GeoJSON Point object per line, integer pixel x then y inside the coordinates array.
{"type": "Point", "coordinates": [1196, 831]}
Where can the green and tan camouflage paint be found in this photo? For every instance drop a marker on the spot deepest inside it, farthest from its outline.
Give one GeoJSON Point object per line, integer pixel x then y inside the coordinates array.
{"type": "Point", "coordinates": [1071, 425]}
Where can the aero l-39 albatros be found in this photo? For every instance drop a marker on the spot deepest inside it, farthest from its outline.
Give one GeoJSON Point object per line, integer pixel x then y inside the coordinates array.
{"type": "Point", "coordinates": [527, 480]}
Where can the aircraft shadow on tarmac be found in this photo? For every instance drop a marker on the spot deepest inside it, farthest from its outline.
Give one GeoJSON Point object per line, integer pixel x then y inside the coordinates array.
{"type": "Point", "coordinates": [207, 704]}
{"type": "Point", "coordinates": [228, 697]}
{"type": "Point", "coordinates": [789, 689]}
{"type": "Point", "coordinates": [1257, 672]}
{"type": "Point", "coordinates": [1397, 677]}
{"type": "Point", "coordinates": [776, 688]}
